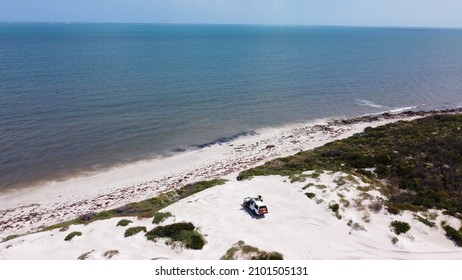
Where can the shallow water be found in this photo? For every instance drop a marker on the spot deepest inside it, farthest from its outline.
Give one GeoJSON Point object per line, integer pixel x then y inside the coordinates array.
{"type": "Point", "coordinates": [78, 97]}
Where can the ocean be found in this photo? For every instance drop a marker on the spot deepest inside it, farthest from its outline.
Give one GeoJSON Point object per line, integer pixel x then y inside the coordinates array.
{"type": "Point", "coordinates": [83, 97]}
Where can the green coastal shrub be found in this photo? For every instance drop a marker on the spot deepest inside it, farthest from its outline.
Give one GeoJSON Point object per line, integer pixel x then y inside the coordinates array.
{"type": "Point", "coordinates": [315, 175]}
{"type": "Point", "coordinates": [393, 209]}
{"type": "Point", "coordinates": [134, 230]}
{"type": "Point", "coordinates": [307, 186]}
{"type": "Point", "coordinates": [124, 223]}
{"type": "Point", "coordinates": [310, 195]}
{"type": "Point", "coordinates": [171, 230]}
{"type": "Point", "coordinates": [334, 206]}
{"type": "Point", "coordinates": [184, 233]}
{"type": "Point", "coordinates": [192, 240]}
{"type": "Point", "coordinates": [159, 217]}
{"type": "Point", "coordinates": [296, 177]}
{"type": "Point", "coordinates": [424, 221]}
{"type": "Point", "coordinates": [453, 235]}
{"type": "Point", "coordinates": [400, 227]}
{"type": "Point", "coordinates": [72, 235]}
{"type": "Point", "coordinates": [10, 237]}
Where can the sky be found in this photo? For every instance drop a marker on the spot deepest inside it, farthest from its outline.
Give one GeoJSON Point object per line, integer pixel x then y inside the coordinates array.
{"type": "Point", "coordinates": [413, 13]}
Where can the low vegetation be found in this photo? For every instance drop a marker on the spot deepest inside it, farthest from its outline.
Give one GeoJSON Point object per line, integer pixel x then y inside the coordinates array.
{"type": "Point", "coordinates": [316, 174]}
{"type": "Point", "coordinates": [72, 235]}
{"type": "Point", "coordinates": [183, 233]}
{"type": "Point", "coordinates": [335, 208]}
{"type": "Point", "coordinates": [10, 237]}
{"type": "Point", "coordinates": [366, 217]}
{"type": "Point", "coordinates": [298, 178]}
{"type": "Point", "coordinates": [453, 235]}
{"type": "Point", "coordinates": [376, 206]}
{"type": "Point", "coordinates": [421, 160]}
{"type": "Point", "coordinates": [310, 195]}
{"type": "Point", "coordinates": [159, 217]}
{"type": "Point", "coordinates": [134, 230]}
{"type": "Point", "coordinates": [124, 223]}
{"type": "Point", "coordinates": [64, 228]}
{"type": "Point", "coordinates": [432, 215]}
{"type": "Point", "coordinates": [399, 227]}
{"type": "Point", "coordinates": [393, 209]}
{"type": "Point", "coordinates": [143, 209]}
{"type": "Point", "coordinates": [345, 203]}
{"type": "Point", "coordinates": [424, 221]}
{"type": "Point", "coordinates": [356, 226]}
{"type": "Point", "coordinates": [86, 255]}
{"type": "Point", "coordinates": [110, 254]}
{"type": "Point", "coordinates": [245, 252]}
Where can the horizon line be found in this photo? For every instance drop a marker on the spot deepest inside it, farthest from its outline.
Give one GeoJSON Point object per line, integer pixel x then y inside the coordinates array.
{"type": "Point", "coordinates": [245, 24]}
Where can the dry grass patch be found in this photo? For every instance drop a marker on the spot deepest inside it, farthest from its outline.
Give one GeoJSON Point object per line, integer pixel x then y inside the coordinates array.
{"type": "Point", "coordinates": [110, 254]}
{"type": "Point", "coordinates": [241, 251]}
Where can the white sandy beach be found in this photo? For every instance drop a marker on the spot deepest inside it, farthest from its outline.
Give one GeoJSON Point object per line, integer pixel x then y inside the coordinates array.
{"type": "Point", "coordinates": [297, 227]}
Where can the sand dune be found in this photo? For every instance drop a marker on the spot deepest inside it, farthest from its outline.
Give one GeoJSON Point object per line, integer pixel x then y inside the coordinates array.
{"type": "Point", "coordinates": [296, 226]}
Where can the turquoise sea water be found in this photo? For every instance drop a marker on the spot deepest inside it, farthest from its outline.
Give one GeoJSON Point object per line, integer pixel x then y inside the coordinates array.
{"type": "Point", "coordinates": [77, 97]}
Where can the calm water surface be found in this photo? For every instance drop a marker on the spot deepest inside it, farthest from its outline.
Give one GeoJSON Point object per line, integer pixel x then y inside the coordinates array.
{"type": "Point", "coordinates": [77, 97]}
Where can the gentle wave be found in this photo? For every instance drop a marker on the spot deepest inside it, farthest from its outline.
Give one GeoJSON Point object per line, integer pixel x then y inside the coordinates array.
{"type": "Point", "coordinates": [397, 110]}
{"type": "Point", "coordinates": [363, 102]}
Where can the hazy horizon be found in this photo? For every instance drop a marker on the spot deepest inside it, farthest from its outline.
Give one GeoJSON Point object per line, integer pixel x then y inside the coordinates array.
{"type": "Point", "coordinates": [243, 24]}
{"type": "Point", "coordinates": [360, 13]}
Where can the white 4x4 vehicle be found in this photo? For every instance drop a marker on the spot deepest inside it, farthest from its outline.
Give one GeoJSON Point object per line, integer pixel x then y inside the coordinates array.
{"type": "Point", "coordinates": [256, 205]}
